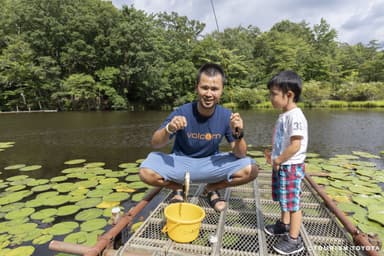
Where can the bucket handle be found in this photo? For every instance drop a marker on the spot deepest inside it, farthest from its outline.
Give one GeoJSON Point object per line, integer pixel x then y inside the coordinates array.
{"type": "Point", "coordinates": [165, 228]}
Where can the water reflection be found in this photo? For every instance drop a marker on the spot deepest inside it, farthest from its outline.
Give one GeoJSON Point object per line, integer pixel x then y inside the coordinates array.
{"type": "Point", "coordinates": [50, 139]}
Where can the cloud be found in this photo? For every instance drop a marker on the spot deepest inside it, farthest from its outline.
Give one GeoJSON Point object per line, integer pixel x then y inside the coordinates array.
{"type": "Point", "coordinates": [369, 22]}
{"type": "Point", "coordinates": [355, 21]}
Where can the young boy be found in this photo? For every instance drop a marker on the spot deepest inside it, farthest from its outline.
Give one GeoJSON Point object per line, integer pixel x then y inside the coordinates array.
{"type": "Point", "coordinates": [289, 145]}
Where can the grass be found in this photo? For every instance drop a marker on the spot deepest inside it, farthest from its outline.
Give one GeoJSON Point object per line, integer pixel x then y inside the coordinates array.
{"type": "Point", "coordinates": [330, 104]}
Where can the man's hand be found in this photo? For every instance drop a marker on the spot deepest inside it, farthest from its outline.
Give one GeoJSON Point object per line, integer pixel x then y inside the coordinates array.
{"type": "Point", "coordinates": [177, 123]}
{"type": "Point", "coordinates": [236, 123]}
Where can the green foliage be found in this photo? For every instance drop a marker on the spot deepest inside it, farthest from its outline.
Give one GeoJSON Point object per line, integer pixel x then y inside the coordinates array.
{"type": "Point", "coordinates": [361, 91]}
{"type": "Point", "coordinates": [315, 92]}
{"type": "Point", "coordinates": [89, 55]}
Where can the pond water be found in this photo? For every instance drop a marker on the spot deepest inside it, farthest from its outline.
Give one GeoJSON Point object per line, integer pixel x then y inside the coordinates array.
{"type": "Point", "coordinates": [50, 139]}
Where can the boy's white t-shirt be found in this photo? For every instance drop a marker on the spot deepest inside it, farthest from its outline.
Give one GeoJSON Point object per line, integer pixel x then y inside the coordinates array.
{"type": "Point", "coordinates": [290, 123]}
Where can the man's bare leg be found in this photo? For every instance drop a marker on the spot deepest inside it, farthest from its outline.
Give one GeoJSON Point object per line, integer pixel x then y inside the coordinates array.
{"type": "Point", "coordinates": [154, 179]}
{"type": "Point", "coordinates": [241, 177]}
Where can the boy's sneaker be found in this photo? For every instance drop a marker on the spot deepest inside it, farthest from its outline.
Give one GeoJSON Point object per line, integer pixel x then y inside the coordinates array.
{"type": "Point", "coordinates": [286, 245]}
{"type": "Point", "coordinates": [279, 228]}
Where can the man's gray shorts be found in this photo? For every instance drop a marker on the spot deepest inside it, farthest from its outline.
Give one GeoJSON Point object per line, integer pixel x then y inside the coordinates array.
{"type": "Point", "coordinates": [209, 169]}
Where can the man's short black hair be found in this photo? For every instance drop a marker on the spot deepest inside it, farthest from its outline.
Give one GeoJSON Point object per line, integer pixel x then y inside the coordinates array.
{"type": "Point", "coordinates": [287, 81]}
{"type": "Point", "coordinates": [211, 69]}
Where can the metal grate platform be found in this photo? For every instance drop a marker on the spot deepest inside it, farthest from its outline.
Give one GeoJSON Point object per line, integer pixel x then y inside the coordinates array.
{"type": "Point", "coordinates": [239, 228]}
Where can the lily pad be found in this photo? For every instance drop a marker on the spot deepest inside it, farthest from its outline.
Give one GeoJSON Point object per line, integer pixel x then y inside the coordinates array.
{"type": "Point", "coordinates": [59, 179]}
{"type": "Point", "coordinates": [312, 155]}
{"type": "Point", "coordinates": [363, 163]}
{"type": "Point", "coordinates": [76, 238]}
{"type": "Point", "coordinates": [12, 207]}
{"type": "Point", "coordinates": [22, 228]}
{"type": "Point", "coordinates": [132, 170]}
{"type": "Point", "coordinates": [67, 210]}
{"type": "Point", "coordinates": [376, 212]}
{"type": "Point", "coordinates": [34, 203]}
{"type": "Point", "coordinates": [138, 184]}
{"type": "Point", "coordinates": [116, 174]}
{"type": "Point", "coordinates": [79, 191]}
{"type": "Point", "coordinates": [334, 168]}
{"type": "Point", "coordinates": [73, 170]}
{"type": "Point", "coordinates": [92, 225]}
{"type": "Point", "coordinates": [17, 177]}
{"type": "Point", "coordinates": [349, 207]}
{"type": "Point", "coordinates": [127, 165]}
{"type": "Point", "coordinates": [312, 168]}
{"type": "Point", "coordinates": [19, 213]}
{"type": "Point", "coordinates": [75, 161]}
{"type": "Point", "coordinates": [63, 228]}
{"type": "Point", "coordinates": [99, 192]}
{"type": "Point", "coordinates": [48, 194]}
{"type": "Point", "coordinates": [348, 157]}
{"type": "Point", "coordinates": [30, 168]}
{"type": "Point", "coordinates": [138, 196]}
{"type": "Point", "coordinates": [365, 200]}
{"type": "Point", "coordinates": [136, 226]}
{"type": "Point", "coordinates": [87, 183]}
{"type": "Point", "coordinates": [37, 182]}
{"type": "Point", "coordinates": [57, 200]}
{"type": "Point", "coordinates": [89, 214]}
{"type": "Point", "coordinates": [124, 188]}
{"type": "Point", "coordinates": [358, 189]}
{"type": "Point", "coordinates": [321, 180]}
{"type": "Point", "coordinates": [14, 167]}
{"type": "Point", "coordinates": [133, 178]}
{"type": "Point", "coordinates": [341, 199]}
{"type": "Point", "coordinates": [117, 196]}
{"type": "Point", "coordinates": [377, 216]}
{"type": "Point", "coordinates": [94, 164]}
{"type": "Point", "coordinates": [43, 239]}
{"type": "Point", "coordinates": [43, 214]}
{"type": "Point", "coordinates": [365, 154]}
{"type": "Point", "coordinates": [14, 197]}
{"type": "Point", "coordinates": [40, 188]}
{"type": "Point", "coordinates": [255, 153]}
{"type": "Point", "coordinates": [16, 188]}
{"type": "Point", "coordinates": [22, 250]}
{"type": "Point", "coordinates": [109, 180]}
{"type": "Point", "coordinates": [89, 202]}
{"type": "Point", "coordinates": [64, 187]}
{"type": "Point", "coordinates": [106, 204]}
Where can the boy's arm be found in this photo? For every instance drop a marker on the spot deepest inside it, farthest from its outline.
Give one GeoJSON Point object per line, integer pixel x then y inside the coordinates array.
{"type": "Point", "coordinates": [290, 151]}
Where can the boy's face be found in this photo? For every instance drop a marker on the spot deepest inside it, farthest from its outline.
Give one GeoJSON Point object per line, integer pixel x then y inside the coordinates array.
{"type": "Point", "coordinates": [278, 99]}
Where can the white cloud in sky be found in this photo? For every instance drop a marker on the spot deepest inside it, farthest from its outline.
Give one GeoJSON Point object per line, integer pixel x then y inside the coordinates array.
{"type": "Point", "coordinates": [354, 20]}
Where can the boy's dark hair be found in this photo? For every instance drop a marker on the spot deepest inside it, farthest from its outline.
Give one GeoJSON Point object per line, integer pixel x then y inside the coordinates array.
{"type": "Point", "coordinates": [287, 81]}
{"type": "Point", "coordinates": [210, 69]}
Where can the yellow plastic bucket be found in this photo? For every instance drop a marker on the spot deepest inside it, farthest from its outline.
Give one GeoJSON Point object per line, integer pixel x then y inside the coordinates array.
{"type": "Point", "coordinates": [183, 221]}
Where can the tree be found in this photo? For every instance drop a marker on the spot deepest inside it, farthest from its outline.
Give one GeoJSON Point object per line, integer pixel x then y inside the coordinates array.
{"type": "Point", "coordinates": [78, 93]}
{"type": "Point", "coordinates": [17, 75]}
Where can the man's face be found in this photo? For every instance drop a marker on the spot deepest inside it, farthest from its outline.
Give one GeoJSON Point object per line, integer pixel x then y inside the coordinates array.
{"type": "Point", "coordinates": [209, 90]}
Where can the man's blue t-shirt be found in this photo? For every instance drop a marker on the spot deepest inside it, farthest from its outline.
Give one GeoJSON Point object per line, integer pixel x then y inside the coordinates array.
{"type": "Point", "coordinates": [202, 136]}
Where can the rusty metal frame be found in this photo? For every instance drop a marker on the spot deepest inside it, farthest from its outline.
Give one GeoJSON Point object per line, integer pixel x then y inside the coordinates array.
{"type": "Point", "coordinates": [359, 238]}
{"type": "Point", "coordinates": [105, 242]}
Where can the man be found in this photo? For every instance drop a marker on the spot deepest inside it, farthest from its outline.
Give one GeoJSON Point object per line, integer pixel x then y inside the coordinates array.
{"type": "Point", "coordinates": [198, 129]}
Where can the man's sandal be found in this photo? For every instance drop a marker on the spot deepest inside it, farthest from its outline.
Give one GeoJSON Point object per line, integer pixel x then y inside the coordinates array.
{"type": "Point", "coordinates": [177, 193]}
{"type": "Point", "coordinates": [213, 202]}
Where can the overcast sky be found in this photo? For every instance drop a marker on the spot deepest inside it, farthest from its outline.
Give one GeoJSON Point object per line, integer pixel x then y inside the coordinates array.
{"type": "Point", "coordinates": [354, 20]}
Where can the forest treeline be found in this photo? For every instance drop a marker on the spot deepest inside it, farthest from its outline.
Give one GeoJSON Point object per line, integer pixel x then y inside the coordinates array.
{"type": "Point", "coordinates": [89, 55]}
